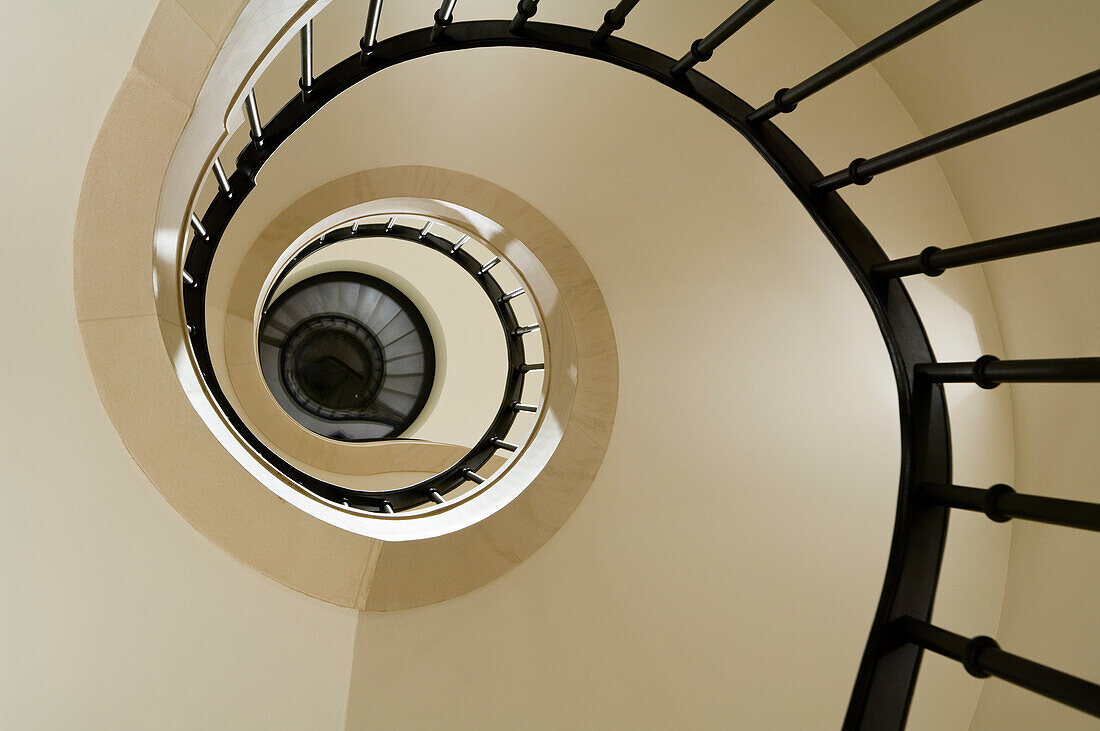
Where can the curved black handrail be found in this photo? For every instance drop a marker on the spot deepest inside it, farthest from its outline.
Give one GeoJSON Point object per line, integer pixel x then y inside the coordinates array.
{"type": "Point", "coordinates": [886, 678]}
{"type": "Point", "coordinates": [462, 471]}
{"type": "Point", "coordinates": [920, 529]}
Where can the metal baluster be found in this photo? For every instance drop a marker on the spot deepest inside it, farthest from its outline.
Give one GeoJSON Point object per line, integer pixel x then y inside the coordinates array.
{"type": "Point", "coordinates": [860, 171]}
{"type": "Point", "coordinates": [443, 17]}
{"type": "Point", "coordinates": [197, 227]}
{"type": "Point", "coordinates": [990, 371]}
{"type": "Point", "coordinates": [933, 261]}
{"type": "Point", "coordinates": [370, 34]}
{"type": "Point", "coordinates": [219, 175]}
{"type": "Point", "coordinates": [524, 11]}
{"type": "Point", "coordinates": [703, 49]}
{"type": "Point", "coordinates": [252, 112]}
{"type": "Point", "coordinates": [613, 20]}
{"type": "Point", "coordinates": [785, 100]}
{"type": "Point", "coordinates": [306, 37]}
{"type": "Point", "coordinates": [982, 657]}
{"type": "Point", "coordinates": [1001, 503]}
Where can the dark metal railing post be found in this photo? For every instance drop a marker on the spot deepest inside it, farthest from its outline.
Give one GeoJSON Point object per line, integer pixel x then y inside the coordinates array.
{"type": "Point", "coordinates": [443, 17]}
{"type": "Point", "coordinates": [306, 38]}
{"type": "Point", "coordinates": [703, 48]}
{"type": "Point", "coordinates": [197, 227]}
{"type": "Point", "coordinates": [785, 100]}
{"type": "Point", "coordinates": [989, 371]}
{"type": "Point", "coordinates": [982, 657]}
{"type": "Point", "coordinates": [524, 12]}
{"type": "Point", "coordinates": [370, 33]}
{"type": "Point", "coordinates": [613, 20]}
{"type": "Point", "coordinates": [252, 112]}
{"type": "Point", "coordinates": [219, 175]}
{"type": "Point", "coordinates": [933, 261]}
{"type": "Point", "coordinates": [860, 171]}
{"type": "Point", "coordinates": [1001, 503]}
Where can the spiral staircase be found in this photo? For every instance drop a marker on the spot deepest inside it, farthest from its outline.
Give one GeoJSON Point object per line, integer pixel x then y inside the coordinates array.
{"type": "Point", "coordinates": [329, 346]}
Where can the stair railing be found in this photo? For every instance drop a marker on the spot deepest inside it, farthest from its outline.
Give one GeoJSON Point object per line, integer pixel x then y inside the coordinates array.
{"type": "Point", "coordinates": [901, 629]}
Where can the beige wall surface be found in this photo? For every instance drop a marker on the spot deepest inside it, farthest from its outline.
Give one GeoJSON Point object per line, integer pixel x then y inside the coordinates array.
{"type": "Point", "coordinates": [114, 613]}
{"type": "Point", "coordinates": [725, 565]}
{"type": "Point", "coordinates": [712, 577]}
{"type": "Point", "coordinates": [1040, 174]}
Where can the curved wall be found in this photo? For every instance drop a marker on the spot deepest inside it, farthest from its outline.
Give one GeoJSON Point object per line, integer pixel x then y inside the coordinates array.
{"type": "Point", "coordinates": [696, 194]}
{"type": "Point", "coordinates": [115, 612]}
{"type": "Point", "coordinates": [673, 593]}
{"type": "Point", "coordinates": [1036, 175]}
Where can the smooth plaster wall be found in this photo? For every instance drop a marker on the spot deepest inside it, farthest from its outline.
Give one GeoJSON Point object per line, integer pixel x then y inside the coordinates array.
{"type": "Point", "coordinates": [712, 577]}
{"type": "Point", "coordinates": [1040, 174]}
{"type": "Point", "coordinates": [115, 613]}
{"type": "Point", "coordinates": [577, 601]}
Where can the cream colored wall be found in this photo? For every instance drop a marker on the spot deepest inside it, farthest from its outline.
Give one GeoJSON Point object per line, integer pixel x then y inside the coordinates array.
{"type": "Point", "coordinates": [131, 614]}
{"type": "Point", "coordinates": [711, 577]}
{"type": "Point", "coordinates": [115, 613]}
{"type": "Point", "coordinates": [1040, 174]}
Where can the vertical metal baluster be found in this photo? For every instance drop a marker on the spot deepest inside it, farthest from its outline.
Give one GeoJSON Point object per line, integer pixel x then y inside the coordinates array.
{"type": "Point", "coordinates": [702, 49]}
{"type": "Point", "coordinates": [613, 20]}
{"type": "Point", "coordinates": [219, 175]}
{"type": "Point", "coordinates": [443, 18]}
{"type": "Point", "coordinates": [525, 10]}
{"type": "Point", "coordinates": [255, 129]}
{"type": "Point", "coordinates": [306, 36]}
{"type": "Point", "coordinates": [370, 34]}
{"type": "Point", "coordinates": [197, 226]}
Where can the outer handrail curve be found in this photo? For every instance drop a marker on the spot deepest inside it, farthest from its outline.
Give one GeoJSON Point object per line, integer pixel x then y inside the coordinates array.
{"type": "Point", "coordinates": [884, 684]}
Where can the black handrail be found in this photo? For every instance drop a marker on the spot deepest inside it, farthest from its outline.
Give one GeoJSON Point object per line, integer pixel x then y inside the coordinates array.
{"type": "Point", "coordinates": [861, 171]}
{"type": "Point", "coordinates": [881, 690]}
{"type": "Point", "coordinates": [785, 100]}
{"type": "Point", "coordinates": [886, 678]}
{"type": "Point", "coordinates": [933, 261]}
{"type": "Point", "coordinates": [1001, 503]}
{"type": "Point", "coordinates": [437, 486]}
{"type": "Point", "coordinates": [982, 657]}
